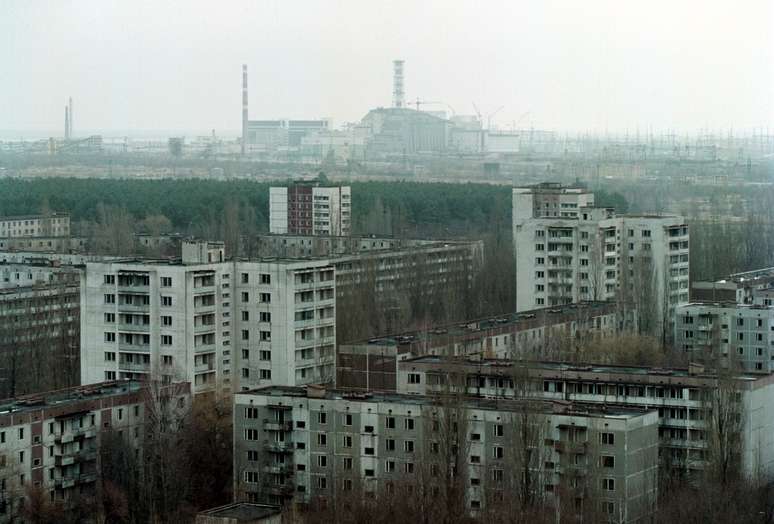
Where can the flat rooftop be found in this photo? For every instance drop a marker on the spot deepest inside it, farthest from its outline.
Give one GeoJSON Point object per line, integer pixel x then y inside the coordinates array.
{"type": "Point", "coordinates": [504, 364]}
{"type": "Point", "coordinates": [522, 319]}
{"type": "Point", "coordinates": [471, 402]}
{"type": "Point", "coordinates": [63, 396]}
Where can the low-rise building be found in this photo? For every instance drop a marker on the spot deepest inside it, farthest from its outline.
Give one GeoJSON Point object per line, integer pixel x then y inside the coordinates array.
{"type": "Point", "coordinates": [536, 334]}
{"type": "Point", "coordinates": [685, 400]}
{"type": "Point", "coordinates": [308, 445]}
{"type": "Point", "coordinates": [32, 226]}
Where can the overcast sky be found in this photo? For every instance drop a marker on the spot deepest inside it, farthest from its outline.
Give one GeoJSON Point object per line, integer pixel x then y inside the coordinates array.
{"type": "Point", "coordinates": [573, 65]}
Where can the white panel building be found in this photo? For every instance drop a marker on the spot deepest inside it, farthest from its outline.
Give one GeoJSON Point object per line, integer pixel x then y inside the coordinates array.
{"type": "Point", "coordinates": [567, 250]}
{"type": "Point", "coordinates": [220, 325]}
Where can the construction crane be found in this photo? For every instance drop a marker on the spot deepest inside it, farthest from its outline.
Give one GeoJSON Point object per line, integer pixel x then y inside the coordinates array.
{"type": "Point", "coordinates": [488, 117]}
{"type": "Point", "coordinates": [419, 103]}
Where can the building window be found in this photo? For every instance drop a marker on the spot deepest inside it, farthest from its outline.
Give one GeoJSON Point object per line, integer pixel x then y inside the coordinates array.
{"type": "Point", "coordinates": [245, 316]}
{"type": "Point", "coordinates": [409, 424]}
{"type": "Point", "coordinates": [390, 422]}
{"type": "Point", "coordinates": [408, 446]}
{"type": "Point", "coordinates": [110, 318]}
{"type": "Point", "coordinates": [166, 281]}
{"type": "Point", "coordinates": [110, 279]}
{"type": "Point", "coordinates": [346, 441]}
{"type": "Point", "coordinates": [607, 438]}
{"type": "Point", "coordinates": [245, 278]}
{"type": "Point", "coordinates": [166, 301]}
{"type": "Point", "coordinates": [166, 320]}
{"type": "Point", "coordinates": [265, 335]}
{"type": "Point", "coordinates": [497, 452]}
{"type": "Point", "coordinates": [608, 484]}
{"type": "Point", "coordinates": [110, 298]}
{"type": "Point", "coordinates": [251, 412]}
{"type": "Point", "coordinates": [389, 444]}
{"type": "Point", "coordinates": [251, 434]}
{"type": "Point", "coordinates": [264, 298]}
{"type": "Point", "coordinates": [245, 296]}
{"type": "Point", "coordinates": [499, 430]}
{"type": "Point", "coordinates": [322, 461]}
{"type": "Point", "coordinates": [110, 356]}
{"type": "Point", "coordinates": [265, 374]}
{"type": "Point", "coordinates": [166, 340]}
{"type": "Point", "coordinates": [265, 316]}
{"type": "Point", "coordinates": [245, 334]}
{"type": "Point", "coordinates": [607, 461]}
{"type": "Point", "coordinates": [413, 378]}
{"type": "Point", "coordinates": [347, 419]}
{"type": "Point", "coordinates": [265, 279]}
{"type": "Point", "coordinates": [265, 355]}
{"type": "Point", "coordinates": [110, 337]}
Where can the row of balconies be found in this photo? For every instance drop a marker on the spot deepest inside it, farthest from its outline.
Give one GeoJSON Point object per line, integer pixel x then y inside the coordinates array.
{"type": "Point", "coordinates": [67, 459]}
{"type": "Point", "coordinates": [71, 481]}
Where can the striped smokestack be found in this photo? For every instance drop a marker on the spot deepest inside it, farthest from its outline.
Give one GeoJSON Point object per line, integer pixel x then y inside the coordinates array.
{"type": "Point", "coordinates": [244, 107]}
{"type": "Point", "coordinates": [70, 128]}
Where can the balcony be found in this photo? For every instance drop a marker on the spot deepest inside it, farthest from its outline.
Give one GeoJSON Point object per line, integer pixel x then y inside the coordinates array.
{"type": "Point", "coordinates": [131, 308]}
{"type": "Point", "coordinates": [571, 447]}
{"type": "Point", "coordinates": [279, 469]}
{"type": "Point", "coordinates": [134, 367]}
{"type": "Point", "coordinates": [68, 459]}
{"type": "Point", "coordinates": [70, 481]}
{"type": "Point", "coordinates": [205, 348]}
{"type": "Point", "coordinates": [281, 489]}
{"type": "Point", "coordinates": [278, 426]}
{"type": "Point", "coordinates": [71, 435]}
{"type": "Point", "coordinates": [278, 447]}
{"type": "Point", "coordinates": [204, 328]}
{"type": "Point", "coordinates": [133, 348]}
{"type": "Point", "coordinates": [134, 328]}
{"type": "Point", "coordinates": [204, 368]}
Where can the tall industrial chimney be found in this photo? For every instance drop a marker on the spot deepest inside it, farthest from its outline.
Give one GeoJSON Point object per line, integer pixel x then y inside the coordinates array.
{"type": "Point", "coordinates": [397, 83]}
{"type": "Point", "coordinates": [70, 129]}
{"type": "Point", "coordinates": [67, 123]}
{"type": "Point", "coordinates": [244, 107]}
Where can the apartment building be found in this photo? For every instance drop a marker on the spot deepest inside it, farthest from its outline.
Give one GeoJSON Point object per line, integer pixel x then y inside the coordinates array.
{"type": "Point", "coordinates": [51, 442]}
{"type": "Point", "coordinates": [741, 288]}
{"type": "Point", "coordinates": [31, 226]}
{"type": "Point", "coordinates": [35, 272]}
{"type": "Point", "coordinates": [737, 334]}
{"type": "Point", "coordinates": [39, 335]}
{"type": "Point", "coordinates": [307, 208]}
{"type": "Point", "coordinates": [537, 334]}
{"type": "Point", "coordinates": [308, 445]}
{"type": "Point", "coordinates": [385, 284]}
{"type": "Point", "coordinates": [567, 250]}
{"type": "Point", "coordinates": [684, 399]}
{"type": "Point", "coordinates": [219, 324]}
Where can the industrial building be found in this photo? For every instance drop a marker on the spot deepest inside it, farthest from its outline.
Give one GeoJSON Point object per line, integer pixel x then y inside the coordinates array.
{"type": "Point", "coordinates": [568, 250]}
{"type": "Point", "coordinates": [276, 134]}
{"type": "Point", "coordinates": [220, 325]}
{"type": "Point", "coordinates": [307, 445]}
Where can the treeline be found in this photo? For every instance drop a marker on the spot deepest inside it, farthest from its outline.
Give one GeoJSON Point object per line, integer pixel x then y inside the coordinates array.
{"type": "Point", "coordinates": [395, 208]}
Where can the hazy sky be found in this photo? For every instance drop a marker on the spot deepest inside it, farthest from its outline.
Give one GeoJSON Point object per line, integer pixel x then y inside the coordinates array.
{"type": "Point", "coordinates": [575, 64]}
